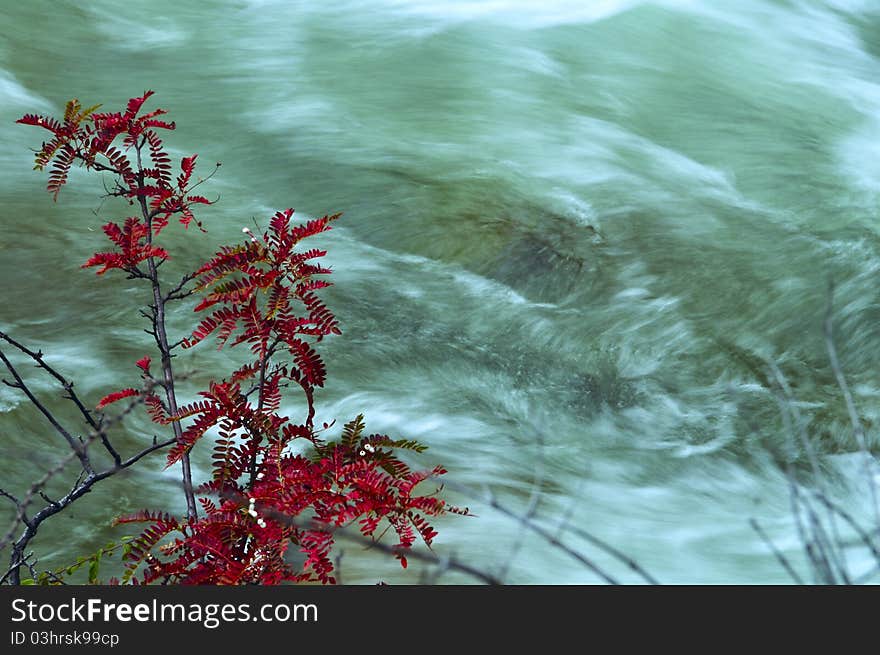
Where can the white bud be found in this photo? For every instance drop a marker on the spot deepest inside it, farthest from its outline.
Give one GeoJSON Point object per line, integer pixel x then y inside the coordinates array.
{"type": "Point", "coordinates": [252, 512]}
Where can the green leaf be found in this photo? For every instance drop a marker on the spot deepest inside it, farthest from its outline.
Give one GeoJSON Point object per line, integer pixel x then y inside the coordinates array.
{"type": "Point", "coordinates": [88, 112]}
{"type": "Point", "coordinates": [406, 444]}
{"type": "Point", "coordinates": [94, 568]}
{"type": "Point", "coordinates": [351, 431]}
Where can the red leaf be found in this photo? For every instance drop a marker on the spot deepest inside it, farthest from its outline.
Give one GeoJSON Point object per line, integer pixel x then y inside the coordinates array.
{"type": "Point", "coordinates": [46, 122]}
{"type": "Point", "coordinates": [135, 104]}
{"type": "Point", "coordinates": [144, 364]}
{"type": "Point", "coordinates": [187, 164]}
{"type": "Point", "coordinates": [106, 259]}
{"type": "Point", "coordinates": [115, 396]}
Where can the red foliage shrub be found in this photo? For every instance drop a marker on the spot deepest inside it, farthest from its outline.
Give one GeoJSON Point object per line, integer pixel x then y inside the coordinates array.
{"type": "Point", "coordinates": [276, 482]}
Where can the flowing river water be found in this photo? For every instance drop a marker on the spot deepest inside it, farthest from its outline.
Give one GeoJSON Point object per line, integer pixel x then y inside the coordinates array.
{"type": "Point", "coordinates": [574, 233]}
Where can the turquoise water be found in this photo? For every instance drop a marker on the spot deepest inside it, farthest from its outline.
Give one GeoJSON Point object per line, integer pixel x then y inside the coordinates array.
{"type": "Point", "coordinates": [572, 233]}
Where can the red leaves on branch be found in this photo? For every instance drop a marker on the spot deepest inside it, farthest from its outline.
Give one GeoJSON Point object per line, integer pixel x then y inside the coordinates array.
{"type": "Point", "coordinates": [134, 244]}
{"type": "Point", "coordinates": [262, 293]}
{"type": "Point", "coordinates": [294, 501]}
{"type": "Point", "coordinates": [275, 482]}
{"type": "Point", "coordinates": [265, 291]}
{"type": "Point", "coordinates": [86, 136]}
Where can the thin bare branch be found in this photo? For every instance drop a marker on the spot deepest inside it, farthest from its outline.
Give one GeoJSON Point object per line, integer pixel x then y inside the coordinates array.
{"type": "Point", "coordinates": [69, 393]}
{"type": "Point", "coordinates": [87, 479]}
{"type": "Point", "coordinates": [776, 552]}
{"type": "Point", "coordinates": [77, 448]}
{"type": "Point", "coordinates": [532, 508]}
{"type": "Point", "coordinates": [858, 430]}
{"type": "Point", "coordinates": [429, 557]}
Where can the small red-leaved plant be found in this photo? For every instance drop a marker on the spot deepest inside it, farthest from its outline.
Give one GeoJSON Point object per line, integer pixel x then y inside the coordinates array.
{"type": "Point", "coordinates": [276, 482]}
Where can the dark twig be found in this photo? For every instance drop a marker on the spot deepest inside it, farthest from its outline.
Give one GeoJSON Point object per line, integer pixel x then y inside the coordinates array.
{"type": "Point", "coordinates": [12, 498]}
{"type": "Point", "coordinates": [776, 552]}
{"type": "Point", "coordinates": [177, 292]}
{"type": "Point", "coordinates": [863, 535]}
{"type": "Point", "coordinates": [428, 557]}
{"type": "Point", "coordinates": [553, 540]}
{"type": "Point", "coordinates": [159, 329]}
{"type": "Point", "coordinates": [69, 393]}
{"type": "Point", "coordinates": [19, 384]}
{"type": "Point", "coordinates": [858, 430]}
{"type": "Point", "coordinates": [614, 552]}
{"type": "Point", "coordinates": [534, 500]}
{"type": "Point", "coordinates": [828, 563]}
{"type": "Point", "coordinates": [787, 405]}
{"type": "Point", "coordinates": [87, 478]}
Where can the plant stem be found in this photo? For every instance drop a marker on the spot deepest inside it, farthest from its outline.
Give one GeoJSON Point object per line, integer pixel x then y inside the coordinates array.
{"type": "Point", "coordinates": [162, 341]}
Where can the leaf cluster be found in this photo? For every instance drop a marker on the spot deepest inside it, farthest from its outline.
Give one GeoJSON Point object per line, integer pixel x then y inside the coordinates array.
{"type": "Point", "coordinates": [277, 483]}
